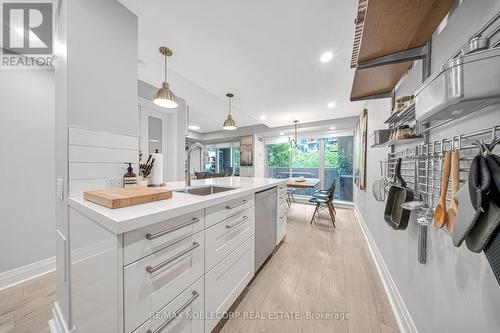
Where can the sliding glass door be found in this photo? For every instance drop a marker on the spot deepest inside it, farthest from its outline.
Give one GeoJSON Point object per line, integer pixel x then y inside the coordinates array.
{"type": "Point", "coordinates": [338, 154]}
{"type": "Point", "coordinates": [306, 162]}
{"type": "Point", "coordinates": [278, 160]}
{"type": "Point", "coordinates": [325, 158]}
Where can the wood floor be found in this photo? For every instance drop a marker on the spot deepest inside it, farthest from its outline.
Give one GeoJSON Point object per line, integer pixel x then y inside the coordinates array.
{"type": "Point", "coordinates": [27, 308]}
{"type": "Point", "coordinates": [316, 271]}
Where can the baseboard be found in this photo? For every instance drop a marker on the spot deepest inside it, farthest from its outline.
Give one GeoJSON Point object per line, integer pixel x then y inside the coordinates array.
{"type": "Point", "coordinates": [57, 323]}
{"type": "Point", "coordinates": [403, 317]}
{"type": "Point", "coordinates": [339, 204]}
{"type": "Point", "coordinates": [24, 273]}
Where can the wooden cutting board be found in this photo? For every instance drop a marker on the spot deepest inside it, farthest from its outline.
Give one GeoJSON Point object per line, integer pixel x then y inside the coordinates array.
{"type": "Point", "coordinates": [128, 196]}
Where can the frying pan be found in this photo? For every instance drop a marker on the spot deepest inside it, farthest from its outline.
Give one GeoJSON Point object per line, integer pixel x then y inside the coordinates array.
{"type": "Point", "coordinates": [396, 216]}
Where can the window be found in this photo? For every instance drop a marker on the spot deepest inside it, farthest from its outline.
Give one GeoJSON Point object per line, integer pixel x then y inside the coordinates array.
{"type": "Point", "coordinates": [224, 160]}
{"type": "Point", "coordinates": [305, 162]}
{"type": "Point", "coordinates": [236, 151]}
{"type": "Point", "coordinates": [278, 160]}
{"type": "Point", "coordinates": [338, 165]}
{"type": "Point", "coordinates": [212, 154]}
{"type": "Point", "coordinates": [323, 158]}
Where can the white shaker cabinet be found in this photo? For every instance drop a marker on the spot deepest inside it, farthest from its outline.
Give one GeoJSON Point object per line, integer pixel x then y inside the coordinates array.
{"type": "Point", "coordinates": [170, 266]}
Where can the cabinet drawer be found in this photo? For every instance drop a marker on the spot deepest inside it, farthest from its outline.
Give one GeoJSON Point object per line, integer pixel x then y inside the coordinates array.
{"type": "Point", "coordinates": [217, 213]}
{"type": "Point", "coordinates": [154, 281]}
{"type": "Point", "coordinates": [282, 191]}
{"type": "Point", "coordinates": [281, 227]}
{"type": "Point", "coordinates": [225, 282]}
{"type": "Point", "coordinates": [185, 311]}
{"type": "Point", "coordinates": [282, 207]}
{"type": "Point", "coordinates": [142, 242]}
{"type": "Point", "coordinates": [224, 237]}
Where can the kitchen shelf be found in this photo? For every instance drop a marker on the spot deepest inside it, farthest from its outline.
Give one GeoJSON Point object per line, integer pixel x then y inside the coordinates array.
{"type": "Point", "coordinates": [408, 112]}
{"type": "Point", "coordinates": [400, 142]}
{"type": "Point", "coordinates": [385, 27]}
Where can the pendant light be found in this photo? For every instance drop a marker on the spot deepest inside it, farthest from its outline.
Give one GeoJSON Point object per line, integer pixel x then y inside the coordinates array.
{"type": "Point", "coordinates": [294, 143]}
{"type": "Point", "coordinates": [164, 97]}
{"type": "Point", "coordinates": [229, 123]}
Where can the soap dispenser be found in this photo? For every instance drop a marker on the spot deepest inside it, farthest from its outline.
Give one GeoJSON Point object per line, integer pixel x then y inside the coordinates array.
{"type": "Point", "coordinates": [130, 178]}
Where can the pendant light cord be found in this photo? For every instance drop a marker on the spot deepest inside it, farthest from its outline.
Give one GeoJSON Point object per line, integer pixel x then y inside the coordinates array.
{"type": "Point", "coordinates": [229, 105]}
{"type": "Point", "coordinates": [165, 68]}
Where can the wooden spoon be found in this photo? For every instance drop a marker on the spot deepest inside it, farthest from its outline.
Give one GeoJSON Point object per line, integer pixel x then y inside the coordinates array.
{"type": "Point", "coordinates": [455, 184]}
{"type": "Point", "coordinates": [440, 214]}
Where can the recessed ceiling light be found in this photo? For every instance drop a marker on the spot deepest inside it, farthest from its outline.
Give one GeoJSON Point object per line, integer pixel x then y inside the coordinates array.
{"type": "Point", "coordinates": [263, 117]}
{"type": "Point", "coordinates": [282, 133]}
{"type": "Point", "coordinates": [194, 127]}
{"type": "Point", "coordinates": [326, 57]}
{"type": "Point", "coordinates": [332, 128]}
{"type": "Point", "coordinates": [331, 105]}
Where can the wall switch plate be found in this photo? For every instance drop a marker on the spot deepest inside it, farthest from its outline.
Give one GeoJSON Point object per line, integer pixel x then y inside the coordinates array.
{"type": "Point", "coordinates": [118, 182]}
{"type": "Point", "coordinates": [108, 182]}
{"type": "Point", "coordinates": [60, 189]}
{"type": "Point", "coordinates": [113, 182]}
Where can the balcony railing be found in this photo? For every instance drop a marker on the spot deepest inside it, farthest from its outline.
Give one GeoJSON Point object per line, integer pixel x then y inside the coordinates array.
{"type": "Point", "coordinates": [345, 180]}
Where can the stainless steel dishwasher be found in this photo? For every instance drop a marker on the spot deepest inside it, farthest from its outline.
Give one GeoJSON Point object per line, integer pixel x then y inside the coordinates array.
{"type": "Point", "coordinates": [265, 225]}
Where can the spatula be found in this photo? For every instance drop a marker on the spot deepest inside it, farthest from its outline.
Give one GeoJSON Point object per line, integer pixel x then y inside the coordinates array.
{"type": "Point", "coordinates": [440, 214]}
{"type": "Point", "coordinates": [455, 184]}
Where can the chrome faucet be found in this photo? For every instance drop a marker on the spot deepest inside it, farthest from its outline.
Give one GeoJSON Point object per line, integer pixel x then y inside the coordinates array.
{"type": "Point", "coordinates": [188, 160]}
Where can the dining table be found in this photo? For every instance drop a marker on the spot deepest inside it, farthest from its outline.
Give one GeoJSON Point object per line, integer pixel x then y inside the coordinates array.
{"type": "Point", "coordinates": [307, 183]}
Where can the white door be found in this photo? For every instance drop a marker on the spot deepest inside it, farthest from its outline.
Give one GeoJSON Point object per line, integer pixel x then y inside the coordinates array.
{"type": "Point", "coordinates": [154, 135]}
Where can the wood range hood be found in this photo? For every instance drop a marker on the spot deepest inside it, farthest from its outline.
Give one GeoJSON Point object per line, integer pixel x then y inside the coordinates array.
{"type": "Point", "coordinates": [389, 36]}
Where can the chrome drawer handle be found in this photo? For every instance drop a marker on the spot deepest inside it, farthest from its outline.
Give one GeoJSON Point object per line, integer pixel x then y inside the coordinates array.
{"type": "Point", "coordinates": [176, 313]}
{"type": "Point", "coordinates": [237, 205]}
{"type": "Point", "coordinates": [152, 269]}
{"type": "Point", "coordinates": [169, 230]}
{"type": "Point", "coordinates": [230, 226]}
{"type": "Point", "coordinates": [283, 216]}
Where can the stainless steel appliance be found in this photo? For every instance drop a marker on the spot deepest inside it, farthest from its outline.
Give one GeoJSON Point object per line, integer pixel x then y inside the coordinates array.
{"type": "Point", "coordinates": [266, 211]}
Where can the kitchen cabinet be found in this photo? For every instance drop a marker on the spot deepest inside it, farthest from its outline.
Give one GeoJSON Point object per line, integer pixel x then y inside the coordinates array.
{"type": "Point", "coordinates": [281, 223]}
{"type": "Point", "coordinates": [193, 262]}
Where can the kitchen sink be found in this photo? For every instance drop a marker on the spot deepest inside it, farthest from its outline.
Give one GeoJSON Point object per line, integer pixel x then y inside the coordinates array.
{"type": "Point", "coordinates": [205, 190]}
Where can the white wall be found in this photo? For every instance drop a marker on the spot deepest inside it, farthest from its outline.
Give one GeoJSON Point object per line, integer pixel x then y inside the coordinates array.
{"type": "Point", "coordinates": [27, 215]}
{"type": "Point", "coordinates": [455, 291]}
{"type": "Point", "coordinates": [96, 89]}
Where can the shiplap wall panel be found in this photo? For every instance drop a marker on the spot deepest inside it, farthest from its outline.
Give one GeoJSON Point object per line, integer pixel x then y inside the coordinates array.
{"type": "Point", "coordinates": [80, 171]}
{"type": "Point", "coordinates": [78, 186]}
{"type": "Point", "coordinates": [83, 137]}
{"type": "Point", "coordinates": [86, 154]}
{"type": "Point", "coordinates": [96, 156]}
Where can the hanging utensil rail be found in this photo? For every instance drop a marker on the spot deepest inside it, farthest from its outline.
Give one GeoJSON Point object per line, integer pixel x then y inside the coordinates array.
{"type": "Point", "coordinates": [431, 154]}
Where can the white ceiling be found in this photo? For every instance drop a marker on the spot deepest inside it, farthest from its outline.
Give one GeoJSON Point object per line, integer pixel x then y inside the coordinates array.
{"type": "Point", "coordinates": [265, 52]}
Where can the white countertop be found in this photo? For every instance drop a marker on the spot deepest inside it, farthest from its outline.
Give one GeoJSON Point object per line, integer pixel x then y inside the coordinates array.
{"type": "Point", "coordinates": [122, 220]}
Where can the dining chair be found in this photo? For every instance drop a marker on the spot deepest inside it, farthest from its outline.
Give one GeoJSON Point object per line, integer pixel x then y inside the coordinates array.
{"type": "Point", "coordinates": [289, 197]}
{"type": "Point", "coordinates": [325, 202]}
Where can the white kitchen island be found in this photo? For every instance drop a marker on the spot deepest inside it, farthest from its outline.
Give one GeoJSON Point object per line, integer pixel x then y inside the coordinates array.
{"type": "Point", "coordinates": [131, 269]}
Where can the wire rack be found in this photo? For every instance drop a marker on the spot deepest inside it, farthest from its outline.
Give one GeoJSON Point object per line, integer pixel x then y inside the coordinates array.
{"type": "Point", "coordinates": [422, 165]}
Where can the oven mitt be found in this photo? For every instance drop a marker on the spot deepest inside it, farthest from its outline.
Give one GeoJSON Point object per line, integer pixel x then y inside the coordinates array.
{"type": "Point", "coordinates": [492, 252]}
{"type": "Point", "coordinates": [485, 227]}
{"type": "Point", "coordinates": [466, 216]}
{"type": "Point", "coordinates": [493, 162]}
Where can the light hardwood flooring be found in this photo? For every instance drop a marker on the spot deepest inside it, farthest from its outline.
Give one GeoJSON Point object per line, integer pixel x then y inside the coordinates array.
{"type": "Point", "coordinates": [317, 270]}
{"type": "Point", "coordinates": [27, 308]}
